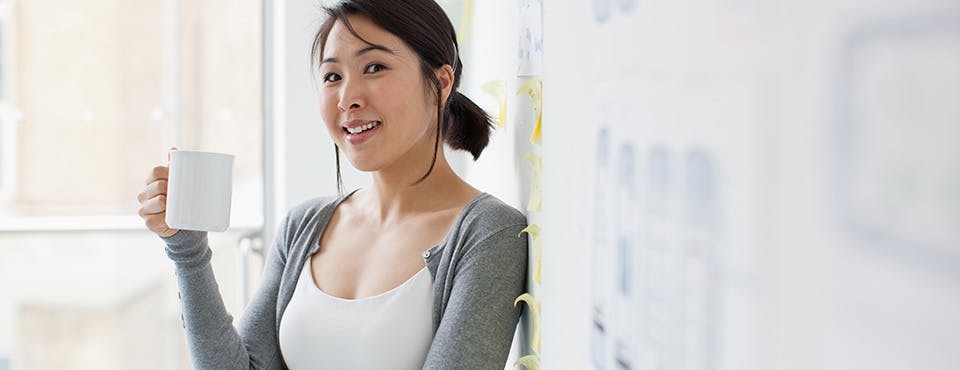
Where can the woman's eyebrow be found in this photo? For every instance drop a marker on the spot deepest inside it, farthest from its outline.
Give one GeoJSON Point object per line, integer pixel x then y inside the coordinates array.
{"type": "Point", "coordinates": [374, 47]}
{"type": "Point", "coordinates": [360, 53]}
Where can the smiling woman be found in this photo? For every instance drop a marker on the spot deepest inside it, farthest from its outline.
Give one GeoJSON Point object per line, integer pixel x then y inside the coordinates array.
{"type": "Point", "coordinates": [430, 280]}
{"type": "Point", "coordinates": [424, 59]}
{"type": "Point", "coordinates": [376, 78]}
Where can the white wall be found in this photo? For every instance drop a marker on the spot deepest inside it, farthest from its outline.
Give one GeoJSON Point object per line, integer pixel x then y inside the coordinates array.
{"type": "Point", "coordinates": [830, 238]}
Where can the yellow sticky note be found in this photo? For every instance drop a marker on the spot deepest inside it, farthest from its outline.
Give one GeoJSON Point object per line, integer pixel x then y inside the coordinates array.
{"type": "Point", "coordinates": [502, 116]}
{"type": "Point", "coordinates": [498, 91]}
{"type": "Point", "coordinates": [535, 314]}
{"type": "Point", "coordinates": [534, 89]}
{"type": "Point", "coordinates": [531, 362]}
{"type": "Point", "coordinates": [535, 138]}
{"type": "Point", "coordinates": [535, 241]}
{"type": "Point", "coordinates": [535, 202]}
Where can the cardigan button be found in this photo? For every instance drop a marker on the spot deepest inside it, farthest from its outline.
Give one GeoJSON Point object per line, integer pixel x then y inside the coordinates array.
{"type": "Point", "coordinates": [426, 254]}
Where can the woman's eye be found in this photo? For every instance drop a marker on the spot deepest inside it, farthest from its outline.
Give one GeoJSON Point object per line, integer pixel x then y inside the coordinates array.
{"type": "Point", "coordinates": [373, 68]}
{"type": "Point", "coordinates": [331, 77]}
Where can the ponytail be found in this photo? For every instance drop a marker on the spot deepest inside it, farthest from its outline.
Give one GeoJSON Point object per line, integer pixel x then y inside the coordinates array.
{"type": "Point", "coordinates": [466, 125]}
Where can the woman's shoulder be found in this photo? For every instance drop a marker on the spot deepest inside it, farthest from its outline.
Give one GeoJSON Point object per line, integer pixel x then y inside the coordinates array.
{"type": "Point", "coordinates": [300, 215]}
{"type": "Point", "coordinates": [310, 208]}
{"type": "Point", "coordinates": [296, 224]}
{"type": "Point", "coordinates": [492, 229]}
{"type": "Point", "coordinates": [488, 214]}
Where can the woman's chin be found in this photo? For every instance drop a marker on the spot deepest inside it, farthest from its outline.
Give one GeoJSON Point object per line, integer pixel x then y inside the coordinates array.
{"type": "Point", "coordinates": [363, 165]}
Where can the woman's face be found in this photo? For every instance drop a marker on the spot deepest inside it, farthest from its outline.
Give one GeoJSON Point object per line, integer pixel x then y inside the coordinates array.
{"type": "Point", "coordinates": [373, 98]}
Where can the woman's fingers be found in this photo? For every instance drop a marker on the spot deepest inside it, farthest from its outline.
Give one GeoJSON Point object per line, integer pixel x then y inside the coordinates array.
{"type": "Point", "coordinates": [158, 224]}
{"type": "Point", "coordinates": [155, 188]}
{"type": "Point", "coordinates": [152, 206]}
{"type": "Point", "coordinates": [157, 173]}
{"type": "Point", "coordinates": [153, 201]}
{"type": "Point", "coordinates": [154, 214]}
{"type": "Point", "coordinates": [155, 222]}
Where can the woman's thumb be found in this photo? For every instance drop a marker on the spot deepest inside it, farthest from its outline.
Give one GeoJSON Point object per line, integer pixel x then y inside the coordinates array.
{"type": "Point", "coordinates": [172, 148]}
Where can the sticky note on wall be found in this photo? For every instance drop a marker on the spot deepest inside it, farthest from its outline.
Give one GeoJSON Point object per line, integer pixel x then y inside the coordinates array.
{"type": "Point", "coordinates": [536, 196]}
{"type": "Point", "coordinates": [534, 89]}
{"type": "Point", "coordinates": [534, 307]}
{"type": "Point", "coordinates": [498, 91]}
{"type": "Point", "coordinates": [531, 362]}
{"type": "Point", "coordinates": [534, 231]}
{"type": "Point", "coordinates": [535, 137]}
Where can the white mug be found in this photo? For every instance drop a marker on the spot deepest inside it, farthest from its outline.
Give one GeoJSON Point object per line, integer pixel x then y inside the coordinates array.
{"type": "Point", "coordinates": [199, 189]}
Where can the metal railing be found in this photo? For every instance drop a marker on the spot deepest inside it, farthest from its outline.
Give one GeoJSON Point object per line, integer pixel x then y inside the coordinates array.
{"type": "Point", "coordinates": [249, 244]}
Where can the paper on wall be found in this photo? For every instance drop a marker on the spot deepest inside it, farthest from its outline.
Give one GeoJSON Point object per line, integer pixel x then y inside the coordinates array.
{"type": "Point", "coordinates": [497, 90]}
{"type": "Point", "coordinates": [534, 89]}
{"type": "Point", "coordinates": [536, 196]}
{"type": "Point", "coordinates": [530, 43]}
{"type": "Point", "coordinates": [534, 231]}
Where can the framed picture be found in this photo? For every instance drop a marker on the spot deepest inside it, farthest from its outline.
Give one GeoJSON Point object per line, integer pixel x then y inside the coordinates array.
{"type": "Point", "coordinates": [897, 164]}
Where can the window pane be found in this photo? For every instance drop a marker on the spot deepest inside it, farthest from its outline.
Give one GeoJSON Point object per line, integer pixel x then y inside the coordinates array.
{"type": "Point", "coordinates": [106, 87]}
{"type": "Point", "coordinates": [93, 94]}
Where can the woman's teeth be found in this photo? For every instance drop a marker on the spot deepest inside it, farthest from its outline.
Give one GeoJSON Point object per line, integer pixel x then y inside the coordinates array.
{"type": "Point", "coordinates": [359, 129]}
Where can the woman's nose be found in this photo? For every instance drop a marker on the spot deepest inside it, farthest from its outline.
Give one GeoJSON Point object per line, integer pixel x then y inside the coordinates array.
{"type": "Point", "coordinates": [351, 97]}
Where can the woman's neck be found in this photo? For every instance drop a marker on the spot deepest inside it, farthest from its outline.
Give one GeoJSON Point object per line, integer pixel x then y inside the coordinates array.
{"type": "Point", "coordinates": [394, 194]}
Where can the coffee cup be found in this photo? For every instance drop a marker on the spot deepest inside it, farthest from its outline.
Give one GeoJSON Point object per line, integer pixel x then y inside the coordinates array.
{"type": "Point", "coordinates": [199, 190]}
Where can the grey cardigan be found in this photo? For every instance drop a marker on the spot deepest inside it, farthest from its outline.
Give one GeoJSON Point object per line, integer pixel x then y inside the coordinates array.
{"type": "Point", "coordinates": [478, 269]}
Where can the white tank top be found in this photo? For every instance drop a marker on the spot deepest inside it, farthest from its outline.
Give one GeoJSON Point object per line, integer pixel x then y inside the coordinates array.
{"type": "Point", "coordinates": [391, 330]}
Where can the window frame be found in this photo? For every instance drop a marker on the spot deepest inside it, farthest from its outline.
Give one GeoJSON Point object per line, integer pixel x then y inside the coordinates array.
{"type": "Point", "coordinates": [9, 114]}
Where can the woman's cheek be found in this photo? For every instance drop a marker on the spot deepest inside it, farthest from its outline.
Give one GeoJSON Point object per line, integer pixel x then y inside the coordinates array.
{"type": "Point", "coordinates": [397, 97]}
{"type": "Point", "coordinates": [329, 111]}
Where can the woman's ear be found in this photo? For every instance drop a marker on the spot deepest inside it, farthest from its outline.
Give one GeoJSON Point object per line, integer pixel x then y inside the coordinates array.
{"type": "Point", "coordinates": [445, 76]}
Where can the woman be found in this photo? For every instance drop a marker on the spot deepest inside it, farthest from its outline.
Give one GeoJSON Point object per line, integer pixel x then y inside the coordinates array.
{"type": "Point", "coordinates": [418, 271]}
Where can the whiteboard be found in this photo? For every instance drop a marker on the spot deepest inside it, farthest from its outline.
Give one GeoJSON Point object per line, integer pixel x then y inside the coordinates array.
{"type": "Point", "coordinates": [740, 184]}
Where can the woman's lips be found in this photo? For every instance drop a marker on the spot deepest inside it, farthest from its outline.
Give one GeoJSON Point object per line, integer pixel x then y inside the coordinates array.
{"type": "Point", "coordinates": [360, 137]}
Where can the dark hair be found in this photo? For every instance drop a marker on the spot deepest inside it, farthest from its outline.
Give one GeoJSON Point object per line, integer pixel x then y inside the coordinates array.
{"type": "Point", "coordinates": [425, 28]}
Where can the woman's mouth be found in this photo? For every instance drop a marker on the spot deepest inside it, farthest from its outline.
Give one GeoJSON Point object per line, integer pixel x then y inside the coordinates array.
{"type": "Point", "coordinates": [358, 134]}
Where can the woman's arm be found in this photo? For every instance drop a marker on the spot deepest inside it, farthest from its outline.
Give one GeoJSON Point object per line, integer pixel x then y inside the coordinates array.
{"type": "Point", "coordinates": [479, 321]}
{"type": "Point", "coordinates": [212, 340]}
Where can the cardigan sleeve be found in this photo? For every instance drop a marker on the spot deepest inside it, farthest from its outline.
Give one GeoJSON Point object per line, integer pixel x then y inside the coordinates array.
{"type": "Point", "coordinates": [478, 323]}
{"type": "Point", "coordinates": [212, 340]}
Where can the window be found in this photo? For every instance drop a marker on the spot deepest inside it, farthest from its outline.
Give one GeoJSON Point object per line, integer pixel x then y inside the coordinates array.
{"type": "Point", "coordinates": [91, 96]}
{"type": "Point", "coordinates": [8, 113]}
